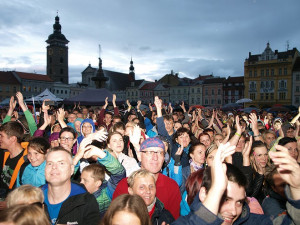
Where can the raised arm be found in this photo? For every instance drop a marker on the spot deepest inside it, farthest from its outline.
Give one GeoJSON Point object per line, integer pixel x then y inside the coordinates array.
{"type": "Point", "coordinates": [28, 115]}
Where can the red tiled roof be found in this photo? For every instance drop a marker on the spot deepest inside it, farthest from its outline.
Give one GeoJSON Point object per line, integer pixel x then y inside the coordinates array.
{"type": "Point", "coordinates": [33, 76]}
{"type": "Point", "coordinates": [8, 78]}
{"type": "Point", "coordinates": [149, 86]}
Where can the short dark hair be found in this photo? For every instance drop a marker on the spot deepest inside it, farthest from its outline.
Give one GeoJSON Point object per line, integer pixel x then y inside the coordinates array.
{"type": "Point", "coordinates": [180, 131]}
{"type": "Point", "coordinates": [286, 140]}
{"type": "Point", "coordinates": [13, 128]}
{"type": "Point", "coordinates": [40, 144]}
{"type": "Point", "coordinates": [233, 173]}
{"type": "Point", "coordinates": [68, 129]}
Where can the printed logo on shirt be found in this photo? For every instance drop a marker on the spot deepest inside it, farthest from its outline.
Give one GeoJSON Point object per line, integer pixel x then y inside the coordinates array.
{"type": "Point", "coordinates": [70, 223]}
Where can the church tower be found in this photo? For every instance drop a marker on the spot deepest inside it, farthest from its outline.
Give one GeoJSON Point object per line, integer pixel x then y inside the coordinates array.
{"type": "Point", "coordinates": [131, 71]}
{"type": "Point", "coordinates": [57, 55]}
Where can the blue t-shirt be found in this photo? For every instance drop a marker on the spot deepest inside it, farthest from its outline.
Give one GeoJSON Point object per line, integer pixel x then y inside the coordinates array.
{"type": "Point", "coordinates": [53, 209]}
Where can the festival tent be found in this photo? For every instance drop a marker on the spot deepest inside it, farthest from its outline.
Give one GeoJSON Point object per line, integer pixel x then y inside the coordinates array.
{"type": "Point", "coordinates": [46, 94]}
{"type": "Point", "coordinates": [94, 97]}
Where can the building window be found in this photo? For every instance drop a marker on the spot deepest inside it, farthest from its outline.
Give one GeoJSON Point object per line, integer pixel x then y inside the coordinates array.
{"type": "Point", "coordinates": [272, 72]}
{"type": "Point", "coordinates": [212, 101]}
{"type": "Point", "coordinates": [280, 71]}
{"type": "Point", "coordinates": [184, 91]}
{"type": "Point", "coordinates": [250, 73]}
{"type": "Point", "coordinates": [66, 92]}
{"type": "Point", "coordinates": [262, 73]}
{"type": "Point", "coordinates": [297, 88]}
{"type": "Point", "coordinates": [285, 71]}
{"type": "Point", "coordinates": [61, 60]}
{"type": "Point", "coordinates": [206, 92]}
{"type": "Point", "coordinates": [213, 92]}
{"type": "Point", "coordinates": [272, 96]}
{"type": "Point", "coordinates": [219, 101]}
{"type": "Point", "coordinates": [61, 71]}
{"type": "Point", "coordinates": [252, 96]}
{"type": "Point", "coordinates": [50, 71]}
{"type": "Point", "coordinates": [267, 96]}
{"type": "Point", "coordinates": [297, 100]}
{"type": "Point", "coordinates": [206, 102]}
{"type": "Point", "coordinates": [57, 91]}
{"type": "Point", "coordinates": [198, 90]}
{"type": "Point", "coordinates": [261, 96]}
{"type": "Point", "coordinates": [297, 77]}
{"type": "Point", "coordinates": [50, 59]}
{"type": "Point", "coordinates": [192, 90]}
{"type": "Point", "coordinates": [267, 72]}
{"type": "Point", "coordinates": [282, 95]}
{"type": "Point", "coordinates": [255, 73]}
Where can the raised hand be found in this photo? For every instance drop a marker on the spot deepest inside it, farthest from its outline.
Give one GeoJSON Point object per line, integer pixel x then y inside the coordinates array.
{"type": "Point", "coordinates": [45, 108]}
{"type": "Point", "coordinates": [100, 136]}
{"type": "Point", "coordinates": [139, 102]}
{"type": "Point", "coordinates": [135, 135]}
{"type": "Point", "coordinates": [288, 168]}
{"type": "Point", "coordinates": [157, 102]}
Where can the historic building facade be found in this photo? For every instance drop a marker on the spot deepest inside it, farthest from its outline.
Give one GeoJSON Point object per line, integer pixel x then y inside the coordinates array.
{"type": "Point", "coordinates": [268, 77]}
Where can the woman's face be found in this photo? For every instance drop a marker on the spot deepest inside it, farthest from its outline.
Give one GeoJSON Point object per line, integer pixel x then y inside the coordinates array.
{"type": "Point", "coordinates": [205, 139]}
{"type": "Point", "coordinates": [293, 150]}
{"type": "Point", "coordinates": [198, 156]}
{"type": "Point", "coordinates": [210, 157]}
{"type": "Point", "coordinates": [183, 139]}
{"type": "Point", "coordinates": [116, 143]}
{"type": "Point", "coordinates": [56, 128]}
{"type": "Point", "coordinates": [261, 156]}
{"type": "Point", "coordinates": [54, 143]}
{"type": "Point", "coordinates": [35, 158]}
{"type": "Point", "coordinates": [125, 218]}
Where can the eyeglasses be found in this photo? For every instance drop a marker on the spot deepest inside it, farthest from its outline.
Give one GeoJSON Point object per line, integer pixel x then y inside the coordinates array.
{"type": "Point", "coordinates": [152, 153]}
{"type": "Point", "coordinates": [66, 138]}
{"type": "Point", "coordinates": [88, 127]}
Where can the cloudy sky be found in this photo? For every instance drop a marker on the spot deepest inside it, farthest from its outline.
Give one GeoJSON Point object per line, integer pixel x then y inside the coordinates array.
{"type": "Point", "coordinates": [190, 37]}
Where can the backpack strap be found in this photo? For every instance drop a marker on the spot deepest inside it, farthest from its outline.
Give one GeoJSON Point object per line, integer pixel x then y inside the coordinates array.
{"type": "Point", "coordinates": [17, 168]}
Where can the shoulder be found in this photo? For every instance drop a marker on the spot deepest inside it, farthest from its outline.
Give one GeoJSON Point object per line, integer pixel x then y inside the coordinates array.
{"type": "Point", "coordinates": [166, 181]}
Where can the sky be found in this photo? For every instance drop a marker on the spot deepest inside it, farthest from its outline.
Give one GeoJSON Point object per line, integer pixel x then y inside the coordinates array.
{"type": "Point", "coordinates": [190, 37]}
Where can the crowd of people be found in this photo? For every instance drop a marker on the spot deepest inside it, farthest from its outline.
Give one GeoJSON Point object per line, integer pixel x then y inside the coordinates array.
{"type": "Point", "coordinates": [147, 165]}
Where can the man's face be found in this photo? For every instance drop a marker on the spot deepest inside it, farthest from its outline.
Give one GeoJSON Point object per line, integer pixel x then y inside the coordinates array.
{"type": "Point", "coordinates": [293, 150]}
{"type": "Point", "coordinates": [116, 120]}
{"type": "Point", "coordinates": [152, 159]}
{"type": "Point", "coordinates": [71, 118]}
{"type": "Point", "coordinates": [290, 133]}
{"type": "Point", "coordinates": [175, 117]}
{"type": "Point", "coordinates": [85, 111]}
{"type": "Point", "coordinates": [89, 181]}
{"type": "Point", "coordinates": [107, 118]}
{"type": "Point", "coordinates": [270, 116]}
{"type": "Point", "coordinates": [177, 125]}
{"type": "Point", "coordinates": [59, 168]}
{"type": "Point", "coordinates": [205, 139]}
{"type": "Point", "coordinates": [145, 188]}
{"type": "Point", "coordinates": [169, 125]}
{"type": "Point", "coordinates": [232, 205]}
{"type": "Point", "coordinates": [67, 140]}
{"type": "Point", "coordinates": [5, 141]}
{"type": "Point", "coordinates": [241, 144]}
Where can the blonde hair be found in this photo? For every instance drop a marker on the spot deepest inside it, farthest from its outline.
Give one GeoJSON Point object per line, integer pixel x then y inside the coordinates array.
{"type": "Point", "coordinates": [24, 215]}
{"type": "Point", "coordinates": [139, 173]}
{"type": "Point", "coordinates": [25, 194]}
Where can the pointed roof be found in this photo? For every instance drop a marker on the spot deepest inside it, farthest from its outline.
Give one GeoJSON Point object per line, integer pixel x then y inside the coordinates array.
{"type": "Point", "coordinates": [46, 94]}
{"type": "Point", "coordinates": [57, 36]}
{"type": "Point", "coordinates": [33, 76]}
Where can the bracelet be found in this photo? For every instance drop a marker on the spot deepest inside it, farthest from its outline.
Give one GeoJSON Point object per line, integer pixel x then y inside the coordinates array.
{"type": "Point", "coordinates": [237, 134]}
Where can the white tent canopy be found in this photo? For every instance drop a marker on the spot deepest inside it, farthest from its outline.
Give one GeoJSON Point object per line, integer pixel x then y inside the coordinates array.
{"type": "Point", "coordinates": [46, 94]}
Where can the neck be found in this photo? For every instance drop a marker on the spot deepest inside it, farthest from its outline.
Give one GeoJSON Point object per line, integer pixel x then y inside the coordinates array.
{"type": "Point", "coordinates": [57, 194]}
{"type": "Point", "coordinates": [15, 149]}
{"type": "Point", "coordinates": [171, 132]}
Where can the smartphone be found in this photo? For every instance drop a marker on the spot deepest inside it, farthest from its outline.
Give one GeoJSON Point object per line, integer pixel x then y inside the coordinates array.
{"type": "Point", "coordinates": [49, 103]}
